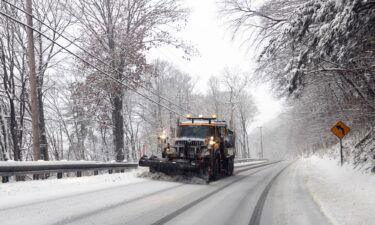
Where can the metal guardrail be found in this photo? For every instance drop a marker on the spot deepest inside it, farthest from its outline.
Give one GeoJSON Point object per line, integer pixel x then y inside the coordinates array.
{"type": "Point", "coordinates": [248, 160]}
{"type": "Point", "coordinates": [7, 171]}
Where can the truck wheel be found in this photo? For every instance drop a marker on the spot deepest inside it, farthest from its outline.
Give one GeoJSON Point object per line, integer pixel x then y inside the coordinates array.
{"type": "Point", "coordinates": [213, 175]}
{"type": "Point", "coordinates": [204, 172]}
{"type": "Point", "coordinates": [230, 166]}
{"type": "Point", "coordinates": [215, 169]}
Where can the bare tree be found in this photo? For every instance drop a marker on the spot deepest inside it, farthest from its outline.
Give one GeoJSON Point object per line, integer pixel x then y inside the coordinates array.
{"type": "Point", "coordinates": [166, 80]}
{"type": "Point", "coordinates": [235, 83]}
{"type": "Point", "coordinates": [14, 77]}
{"type": "Point", "coordinates": [246, 111]}
{"type": "Point", "coordinates": [120, 32]}
{"type": "Point", "coordinates": [53, 15]}
{"type": "Point", "coordinates": [312, 55]}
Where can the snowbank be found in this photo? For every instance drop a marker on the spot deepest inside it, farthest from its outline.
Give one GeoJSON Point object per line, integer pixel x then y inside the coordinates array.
{"type": "Point", "coordinates": [345, 195]}
{"type": "Point", "coordinates": [172, 178]}
{"type": "Point", "coordinates": [358, 150]}
{"type": "Point", "coordinates": [249, 163]}
{"type": "Point", "coordinates": [46, 163]}
{"type": "Point", "coordinates": [13, 194]}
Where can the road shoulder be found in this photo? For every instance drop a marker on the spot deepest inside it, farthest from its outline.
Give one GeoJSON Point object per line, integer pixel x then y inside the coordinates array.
{"type": "Point", "coordinates": [290, 203]}
{"type": "Point", "coordinates": [345, 195]}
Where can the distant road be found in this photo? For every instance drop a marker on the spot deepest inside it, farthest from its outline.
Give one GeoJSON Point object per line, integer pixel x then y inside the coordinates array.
{"type": "Point", "coordinates": [257, 194]}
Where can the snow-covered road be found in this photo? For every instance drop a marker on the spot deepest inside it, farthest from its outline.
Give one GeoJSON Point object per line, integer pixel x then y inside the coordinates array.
{"type": "Point", "coordinates": [149, 201]}
{"type": "Point", "coordinates": [271, 194]}
{"type": "Point", "coordinates": [289, 201]}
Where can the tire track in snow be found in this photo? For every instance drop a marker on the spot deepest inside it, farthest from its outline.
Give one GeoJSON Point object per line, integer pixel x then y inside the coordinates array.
{"type": "Point", "coordinates": [257, 213]}
{"type": "Point", "coordinates": [65, 196]}
{"type": "Point", "coordinates": [249, 167]}
{"type": "Point", "coordinates": [197, 201]}
{"type": "Point", "coordinates": [109, 207]}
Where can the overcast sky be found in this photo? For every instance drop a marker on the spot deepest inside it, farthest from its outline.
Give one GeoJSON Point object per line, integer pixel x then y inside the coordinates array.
{"type": "Point", "coordinates": [207, 31]}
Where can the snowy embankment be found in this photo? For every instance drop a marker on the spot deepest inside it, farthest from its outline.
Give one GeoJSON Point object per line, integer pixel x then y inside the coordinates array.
{"type": "Point", "coordinates": [256, 161]}
{"type": "Point", "coordinates": [345, 195]}
{"type": "Point", "coordinates": [49, 163]}
{"type": "Point", "coordinates": [42, 162]}
{"type": "Point", "coordinates": [358, 150]}
{"type": "Point", "coordinates": [22, 193]}
{"type": "Point", "coordinates": [13, 194]}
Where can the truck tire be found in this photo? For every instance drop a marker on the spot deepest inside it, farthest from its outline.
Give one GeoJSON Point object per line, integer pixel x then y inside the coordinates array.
{"type": "Point", "coordinates": [215, 169]}
{"type": "Point", "coordinates": [230, 166]}
{"type": "Point", "coordinates": [204, 172]}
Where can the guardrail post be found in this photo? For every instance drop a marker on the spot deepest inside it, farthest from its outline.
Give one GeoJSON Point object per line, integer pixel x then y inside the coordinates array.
{"type": "Point", "coordinates": [20, 178]}
{"type": "Point", "coordinates": [59, 175]}
{"type": "Point", "coordinates": [46, 176]}
{"type": "Point", "coordinates": [96, 172]}
{"type": "Point", "coordinates": [4, 179]}
{"type": "Point", "coordinates": [79, 173]}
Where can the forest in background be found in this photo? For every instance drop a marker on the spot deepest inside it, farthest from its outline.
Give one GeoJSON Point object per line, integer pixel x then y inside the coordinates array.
{"type": "Point", "coordinates": [319, 55]}
{"type": "Point", "coordinates": [100, 105]}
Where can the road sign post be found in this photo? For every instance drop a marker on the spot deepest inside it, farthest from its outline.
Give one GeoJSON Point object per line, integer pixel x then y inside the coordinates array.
{"type": "Point", "coordinates": [340, 130]}
{"type": "Point", "coordinates": [341, 157]}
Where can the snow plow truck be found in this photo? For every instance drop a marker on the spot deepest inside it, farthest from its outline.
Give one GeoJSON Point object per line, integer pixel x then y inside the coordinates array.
{"type": "Point", "coordinates": [203, 147]}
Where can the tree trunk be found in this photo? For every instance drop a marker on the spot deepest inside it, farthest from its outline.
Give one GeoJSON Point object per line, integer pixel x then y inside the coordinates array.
{"type": "Point", "coordinates": [9, 88]}
{"type": "Point", "coordinates": [118, 128]}
{"type": "Point", "coordinates": [14, 133]}
{"type": "Point", "coordinates": [4, 136]}
{"type": "Point", "coordinates": [22, 109]}
{"type": "Point", "coordinates": [42, 126]}
{"type": "Point", "coordinates": [3, 141]}
{"type": "Point", "coordinates": [247, 145]}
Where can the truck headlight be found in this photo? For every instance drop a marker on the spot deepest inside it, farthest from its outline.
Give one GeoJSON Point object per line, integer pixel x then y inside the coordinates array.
{"type": "Point", "coordinates": [211, 142]}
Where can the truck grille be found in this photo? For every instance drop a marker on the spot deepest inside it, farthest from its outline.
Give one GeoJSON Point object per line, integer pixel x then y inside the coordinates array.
{"type": "Point", "coordinates": [190, 143]}
{"type": "Point", "coordinates": [191, 153]}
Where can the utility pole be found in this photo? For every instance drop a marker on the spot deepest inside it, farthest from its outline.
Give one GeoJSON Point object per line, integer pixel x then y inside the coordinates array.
{"type": "Point", "coordinates": [261, 143]}
{"type": "Point", "coordinates": [33, 82]}
{"type": "Point", "coordinates": [341, 155]}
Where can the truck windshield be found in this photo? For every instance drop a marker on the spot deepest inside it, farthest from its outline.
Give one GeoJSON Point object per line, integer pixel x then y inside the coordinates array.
{"type": "Point", "coordinates": [194, 131]}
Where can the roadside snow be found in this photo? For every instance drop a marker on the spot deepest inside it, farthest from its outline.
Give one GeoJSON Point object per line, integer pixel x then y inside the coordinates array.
{"type": "Point", "coordinates": [172, 178]}
{"type": "Point", "coordinates": [358, 150]}
{"type": "Point", "coordinates": [46, 163]}
{"type": "Point", "coordinates": [42, 162]}
{"type": "Point", "coordinates": [13, 194]}
{"type": "Point", "coordinates": [22, 193]}
{"type": "Point", "coordinates": [346, 196]}
{"type": "Point", "coordinates": [249, 163]}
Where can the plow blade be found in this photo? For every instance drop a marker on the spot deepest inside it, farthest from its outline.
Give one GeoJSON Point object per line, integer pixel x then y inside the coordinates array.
{"type": "Point", "coordinates": [175, 167]}
{"type": "Point", "coordinates": [168, 166]}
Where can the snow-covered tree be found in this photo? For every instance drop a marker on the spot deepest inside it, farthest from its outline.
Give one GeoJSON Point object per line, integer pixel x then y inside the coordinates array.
{"type": "Point", "coordinates": [120, 33]}
{"type": "Point", "coordinates": [320, 54]}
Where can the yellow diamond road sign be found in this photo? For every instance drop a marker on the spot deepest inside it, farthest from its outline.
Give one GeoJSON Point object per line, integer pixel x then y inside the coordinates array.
{"type": "Point", "coordinates": [340, 129]}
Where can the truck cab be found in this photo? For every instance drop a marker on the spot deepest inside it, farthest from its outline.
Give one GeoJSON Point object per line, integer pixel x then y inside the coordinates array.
{"type": "Point", "coordinates": [203, 146]}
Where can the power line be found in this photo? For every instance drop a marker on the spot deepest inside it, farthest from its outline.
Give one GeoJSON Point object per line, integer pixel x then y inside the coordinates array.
{"type": "Point", "coordinates": [85, 61]}
{"type": "Point", "coordinates": [92, 55]}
